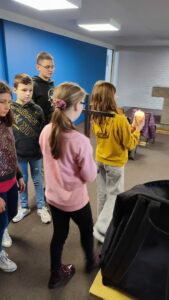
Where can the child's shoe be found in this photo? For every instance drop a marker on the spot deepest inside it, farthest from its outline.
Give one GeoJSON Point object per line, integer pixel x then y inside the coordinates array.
{"type": "Point", "coordinates": [44, 214]}
{"type": "Point", "coordinates": [6, 239]}
{"type": "Point", "coordinates": [60, 277]}
{"type": "Point", "coordinates": [92, 264]}
{"type": "Point", "coordinates": [6, 264]}
{"type": "Point", "coordinates": [22, 212]}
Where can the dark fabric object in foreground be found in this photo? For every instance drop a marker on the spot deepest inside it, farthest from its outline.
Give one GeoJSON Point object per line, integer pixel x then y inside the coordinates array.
{"type": "Point", "coordinates": [135, 254]}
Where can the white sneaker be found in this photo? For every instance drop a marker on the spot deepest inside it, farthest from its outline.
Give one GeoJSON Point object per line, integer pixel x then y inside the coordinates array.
{"type": "Point", "coordinates": [44, 214]}
{"type": "Point", "coordinates": [6, 264]}
{"type": "Point", "coordinates": [22, 212]}
{"type": "Point", "coordinates": [6, 240]}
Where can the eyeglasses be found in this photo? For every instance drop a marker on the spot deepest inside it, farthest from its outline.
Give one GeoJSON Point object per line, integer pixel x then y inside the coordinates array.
{"type": "Point", "coordinates": [82, 102]}
{"type": "Point", "coordinates": [47, 67]}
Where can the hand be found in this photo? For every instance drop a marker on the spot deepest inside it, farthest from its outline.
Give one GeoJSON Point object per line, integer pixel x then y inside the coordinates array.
{"type": "Point", "coordinates": [21, 185]}
{"type": "Point", "coordinates": [2, 205]}
{"type": "Point", "coordinates": [134, 122]}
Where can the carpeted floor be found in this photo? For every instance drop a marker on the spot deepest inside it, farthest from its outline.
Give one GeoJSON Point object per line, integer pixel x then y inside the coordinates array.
{"type": "Point", "coordinates": [31, 238]}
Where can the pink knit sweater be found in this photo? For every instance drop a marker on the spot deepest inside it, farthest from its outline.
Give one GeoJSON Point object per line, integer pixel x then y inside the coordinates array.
{"type": "Point", "coordinates": [66, 177]}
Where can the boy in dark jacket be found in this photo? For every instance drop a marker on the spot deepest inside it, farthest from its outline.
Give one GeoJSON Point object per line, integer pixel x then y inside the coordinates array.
{"type": "Point", "coordinates": [29, 121]}
{"type": "Point", "coordinates": [43, 83]}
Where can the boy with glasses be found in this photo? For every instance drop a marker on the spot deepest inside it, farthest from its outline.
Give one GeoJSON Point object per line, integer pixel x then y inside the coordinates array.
{"type": "Point", "coordinates": [43, 83]}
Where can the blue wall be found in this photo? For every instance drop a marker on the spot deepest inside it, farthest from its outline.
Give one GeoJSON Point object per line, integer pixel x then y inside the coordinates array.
{"type": "Point", "coordinates": [3, 62]}
{"type": "Point", "coordinates": [75, 61]}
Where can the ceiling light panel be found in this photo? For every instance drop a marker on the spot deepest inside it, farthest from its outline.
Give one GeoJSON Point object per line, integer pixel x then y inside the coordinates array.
{"type": "Point", "coordinates": [106, 25]}
{"type": "Point", "coordinates": [98, 27]}
{"type": "Point", "coordinates": [51, 4]}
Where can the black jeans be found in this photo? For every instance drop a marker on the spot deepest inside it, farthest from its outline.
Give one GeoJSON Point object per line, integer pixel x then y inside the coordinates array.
{"type": "Point", "coordinates": [61, 220]}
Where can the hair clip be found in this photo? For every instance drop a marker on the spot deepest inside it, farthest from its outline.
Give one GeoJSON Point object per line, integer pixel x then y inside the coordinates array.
{"type": "Point", "coordinates": [59, 103]}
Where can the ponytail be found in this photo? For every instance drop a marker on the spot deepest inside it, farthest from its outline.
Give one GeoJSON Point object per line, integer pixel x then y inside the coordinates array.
{"type": "Point", "coordinates": [64, 96]}
{"type": "Point", "coordinates": [60, 123]}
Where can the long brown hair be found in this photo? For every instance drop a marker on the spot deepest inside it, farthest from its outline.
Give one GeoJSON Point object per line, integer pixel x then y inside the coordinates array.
{"type": "Point", "coordinates": [103, 99]}
{"type": "Point", "coordinates": [5, 89]}
{"type": "Point", "coordinates": [71, 94]}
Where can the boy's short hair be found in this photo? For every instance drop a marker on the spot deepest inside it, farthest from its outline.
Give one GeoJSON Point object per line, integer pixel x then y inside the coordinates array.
{"type": "Point", "coordinates": [43, 55]}
{"type": "Point", "coordinates": [22, 78]}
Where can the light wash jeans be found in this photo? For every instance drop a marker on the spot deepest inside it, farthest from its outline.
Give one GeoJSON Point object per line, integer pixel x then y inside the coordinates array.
{"type": "Point", "coordinates": [110, 183]}
{"type": "Point", "coordinates": [36, 174]}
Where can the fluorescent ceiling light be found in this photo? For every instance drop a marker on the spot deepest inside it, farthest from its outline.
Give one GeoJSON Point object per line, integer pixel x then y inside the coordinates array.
{"type": "Point", "coordinates": [101, 26]}
{"type": "Point", "coordinates": [51, 4]}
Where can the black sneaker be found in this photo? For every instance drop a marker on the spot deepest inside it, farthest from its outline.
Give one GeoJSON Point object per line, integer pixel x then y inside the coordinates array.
{"type": "Point", "coordinates": [60, 277]}
{"type": "Point", "coordinates": [92, 264]}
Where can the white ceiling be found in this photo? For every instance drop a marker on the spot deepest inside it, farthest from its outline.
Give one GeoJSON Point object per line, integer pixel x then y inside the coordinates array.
{"type": "Point", "coordinates": [143, 22]}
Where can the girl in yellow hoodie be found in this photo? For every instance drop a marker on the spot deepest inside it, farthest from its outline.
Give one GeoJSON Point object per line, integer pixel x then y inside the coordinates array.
{"type": "Point", "coordinates": [114, 137]}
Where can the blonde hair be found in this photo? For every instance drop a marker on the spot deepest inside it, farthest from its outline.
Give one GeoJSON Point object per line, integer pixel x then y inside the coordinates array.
{"type": "Point", "coordinates": [103, 99]}
{"type": "Point", "coordinates": [70, 93]}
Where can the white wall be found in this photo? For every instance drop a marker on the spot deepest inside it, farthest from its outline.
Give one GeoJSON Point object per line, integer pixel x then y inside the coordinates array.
{"type": "Point", "coordinates": [140, 69]}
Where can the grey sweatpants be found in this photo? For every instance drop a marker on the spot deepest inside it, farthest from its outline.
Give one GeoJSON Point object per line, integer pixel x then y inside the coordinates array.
{"type": "Point", "coordinates": [110, 182]}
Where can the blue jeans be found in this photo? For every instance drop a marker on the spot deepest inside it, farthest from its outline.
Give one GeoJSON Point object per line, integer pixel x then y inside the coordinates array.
{"type": "Point", "coordinates": [36, 174]}
{"type": "Point", "coordinates": [11, 200]}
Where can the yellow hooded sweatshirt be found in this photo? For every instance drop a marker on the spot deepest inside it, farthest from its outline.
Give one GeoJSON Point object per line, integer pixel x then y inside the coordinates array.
{"type": "Point", "coordinates": [114, 138]}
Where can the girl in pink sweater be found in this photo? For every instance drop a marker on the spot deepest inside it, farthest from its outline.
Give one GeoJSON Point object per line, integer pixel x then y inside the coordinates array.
{"type": "Point", "coordinates": [68, 165]}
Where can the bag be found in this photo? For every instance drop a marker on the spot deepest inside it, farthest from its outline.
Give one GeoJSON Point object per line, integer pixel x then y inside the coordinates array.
{"type": "Point", "coordinates": [149, 130]}
{"type": "Point", "coordinates": [135, 253]}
